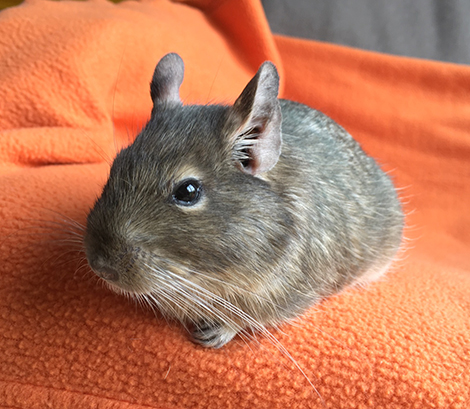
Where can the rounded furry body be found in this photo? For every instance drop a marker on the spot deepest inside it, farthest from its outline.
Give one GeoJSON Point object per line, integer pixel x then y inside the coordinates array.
{"type": "Point", "coordinates": [290, 210]}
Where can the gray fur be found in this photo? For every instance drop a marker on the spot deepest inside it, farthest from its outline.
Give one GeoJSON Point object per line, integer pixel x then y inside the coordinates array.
{"type": "Point", "coordinates": [260, 247]}
{"type": "Point", "coordinates": [167, 79]}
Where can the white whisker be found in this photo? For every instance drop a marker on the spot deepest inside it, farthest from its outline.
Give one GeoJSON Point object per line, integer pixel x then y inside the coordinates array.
{"type": "Point", "coordinates": [187, 294]}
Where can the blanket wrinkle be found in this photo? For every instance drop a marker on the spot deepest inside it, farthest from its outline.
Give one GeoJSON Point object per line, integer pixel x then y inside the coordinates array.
{"type": "Point", "coordinates": [256, 44]}
{"type": "Point", "coordinates": [74, 90]}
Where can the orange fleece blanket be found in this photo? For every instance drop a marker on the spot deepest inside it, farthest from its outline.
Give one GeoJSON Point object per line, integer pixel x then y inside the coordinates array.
{"type": "Point", "coordinates": [74, 87]}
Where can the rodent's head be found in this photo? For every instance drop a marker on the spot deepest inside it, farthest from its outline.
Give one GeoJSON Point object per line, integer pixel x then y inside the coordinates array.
{"type": "Point", "coordinates": [188, 198]}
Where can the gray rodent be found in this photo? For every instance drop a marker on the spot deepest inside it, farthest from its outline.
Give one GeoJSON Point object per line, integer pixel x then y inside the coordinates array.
{"type": "Point", "coordinates": [205, 216]}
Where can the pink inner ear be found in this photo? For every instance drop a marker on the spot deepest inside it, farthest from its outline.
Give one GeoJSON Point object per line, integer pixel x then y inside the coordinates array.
{"type": "Point", "coordinates": [267, 148]}
{"type": "Point", "coordinates": [258, 107]}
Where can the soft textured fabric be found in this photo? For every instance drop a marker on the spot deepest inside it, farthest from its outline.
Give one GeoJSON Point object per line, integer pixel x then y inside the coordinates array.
{"type": "Point", "coordinates": [74, 87]}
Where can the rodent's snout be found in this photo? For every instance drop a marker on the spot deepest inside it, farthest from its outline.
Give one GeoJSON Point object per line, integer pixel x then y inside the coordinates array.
{"type": "Point", "coordinates": [103, 270]}
{"type": "Point", "coordinates": [107, 273]}
{"type": "Point", "coordinates": [116, 262]}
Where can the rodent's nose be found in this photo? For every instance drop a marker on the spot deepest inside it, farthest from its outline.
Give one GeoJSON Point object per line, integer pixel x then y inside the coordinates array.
{"type": "Point", "coordinates": [102, 269]}
{"type": "Point", "coordinates": [107, 273]}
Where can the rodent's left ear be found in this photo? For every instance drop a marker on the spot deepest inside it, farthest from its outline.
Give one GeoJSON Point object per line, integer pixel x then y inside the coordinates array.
{"type": "Point", "coordinates": [167, 79]}
{"type": "Point", "coordinates": [257, 117]}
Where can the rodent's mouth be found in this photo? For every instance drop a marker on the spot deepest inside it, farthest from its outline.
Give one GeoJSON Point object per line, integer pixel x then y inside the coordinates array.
{"type": "Point", "coordinates": [170, 288]}
{"type": "Point", "coordinates": [134, 270]}
{"type": "Point", "coordinates": [125, 290]}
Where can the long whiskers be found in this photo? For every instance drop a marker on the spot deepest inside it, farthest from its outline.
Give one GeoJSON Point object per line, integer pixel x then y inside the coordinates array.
{"type": "Point", "coordinates": [192, 295]}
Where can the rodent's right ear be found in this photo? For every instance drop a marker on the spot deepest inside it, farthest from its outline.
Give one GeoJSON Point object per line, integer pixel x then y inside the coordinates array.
{"type": "Point", "coordinates": [256, 118]}
{"type": "Point", "coordinates": [167, 79]}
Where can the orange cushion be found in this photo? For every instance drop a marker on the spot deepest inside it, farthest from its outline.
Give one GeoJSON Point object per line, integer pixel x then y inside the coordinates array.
{"type": "Point", "coordinates": [70, 70]}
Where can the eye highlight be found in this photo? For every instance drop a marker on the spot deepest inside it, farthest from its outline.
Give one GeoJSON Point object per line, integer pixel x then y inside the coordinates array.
{"type": "Point", "coordinates": [188, 192]}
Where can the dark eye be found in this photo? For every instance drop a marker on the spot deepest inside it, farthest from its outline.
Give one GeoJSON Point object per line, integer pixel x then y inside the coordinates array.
{"type": "Point", "coordinates": [188, 192]}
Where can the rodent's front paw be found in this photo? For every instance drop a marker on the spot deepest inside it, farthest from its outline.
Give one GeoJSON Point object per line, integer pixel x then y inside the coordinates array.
{"type": "Point", "coordinates": [212, 335]}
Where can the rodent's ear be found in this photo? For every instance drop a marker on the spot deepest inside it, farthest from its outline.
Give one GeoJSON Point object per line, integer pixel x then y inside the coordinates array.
{"type": "Point", "coordinates": [166, 80]}
{"type": "Point", "coordinates": [257, 117]}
